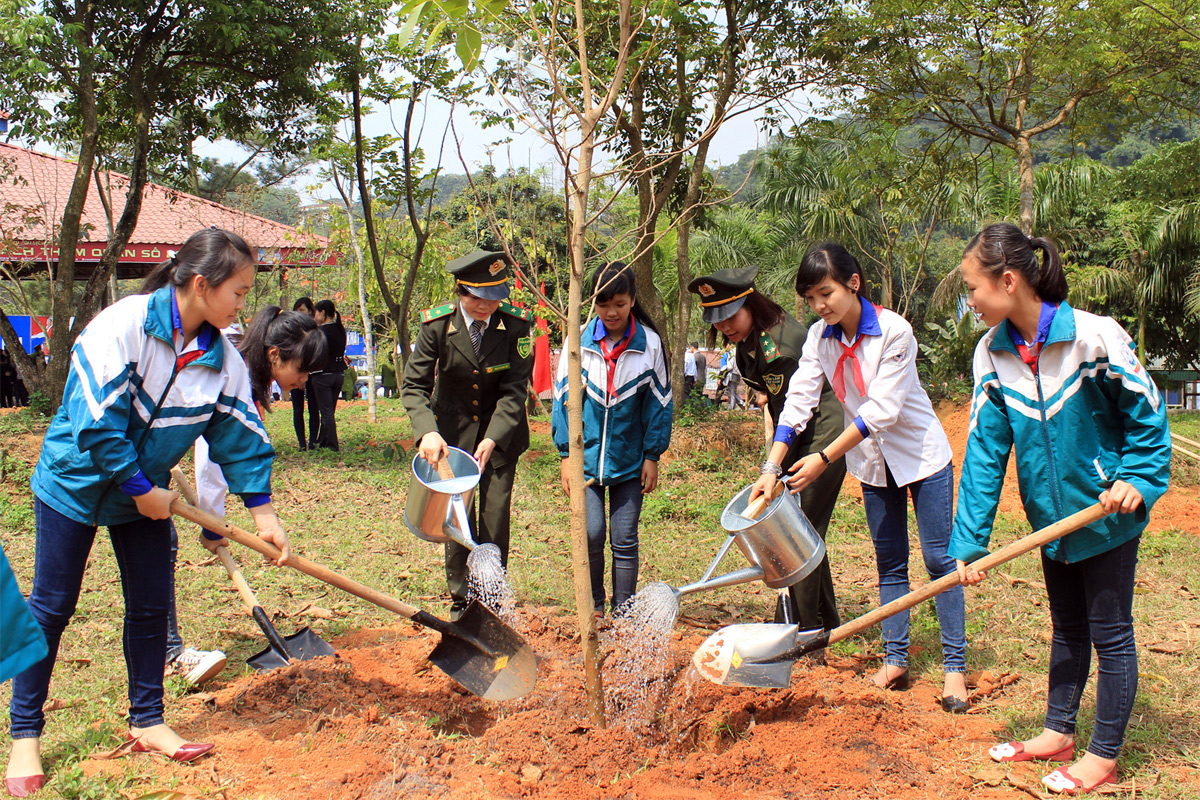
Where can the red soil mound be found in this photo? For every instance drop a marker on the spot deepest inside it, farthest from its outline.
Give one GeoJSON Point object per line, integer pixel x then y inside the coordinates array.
{"type": "Point", "coordinates": [379, 722]}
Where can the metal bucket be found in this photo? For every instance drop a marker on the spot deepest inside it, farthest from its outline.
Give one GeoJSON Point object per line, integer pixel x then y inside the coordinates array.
{"type": "Point", "coordinates": [781, 542]}
{"type": "Point", "coordinates": [434, 501]}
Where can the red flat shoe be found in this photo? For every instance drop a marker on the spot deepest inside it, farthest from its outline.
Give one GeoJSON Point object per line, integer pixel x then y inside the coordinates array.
{"type": "Point", "coordinates": [1063, 782]}
{"type": "Point", "coordinates": [185, 753]}
{"type": "Point", "coordinates": [1015, 751]}
{"type": "Point", "coordinates": [23, 787]}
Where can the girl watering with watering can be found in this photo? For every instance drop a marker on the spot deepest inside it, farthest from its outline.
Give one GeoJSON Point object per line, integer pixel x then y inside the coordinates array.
{"type": "Point", "coordinates": [893, 444]}
{"type": "Point", "coordinates": [1064, 389]}
{"type": "Point", "coordinates": [149, 375]}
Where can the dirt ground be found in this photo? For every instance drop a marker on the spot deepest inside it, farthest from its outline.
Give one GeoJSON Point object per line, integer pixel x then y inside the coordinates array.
{"type": "Point", "coordinates": [379, 722]}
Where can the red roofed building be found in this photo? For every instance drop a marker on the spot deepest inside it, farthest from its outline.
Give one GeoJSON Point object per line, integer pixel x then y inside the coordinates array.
{"type": "Point", "coordinates": [33, 192]}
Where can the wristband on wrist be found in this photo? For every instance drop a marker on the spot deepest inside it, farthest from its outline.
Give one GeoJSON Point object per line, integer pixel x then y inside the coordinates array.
{"type": "Point", "coordinates": [824, 457]}
{"type": "Point", "coordinates": [770, 467]}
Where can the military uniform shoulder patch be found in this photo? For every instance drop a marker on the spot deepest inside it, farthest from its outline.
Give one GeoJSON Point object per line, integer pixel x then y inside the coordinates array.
{"type": "Point", "coordinates": [524, 346]}
{"type": "Point", "coordinates": [437, 312]}
{"type": "Point", "coordinates": [769, 350]}
{"type": "Point", "coordinates": [520, 313]}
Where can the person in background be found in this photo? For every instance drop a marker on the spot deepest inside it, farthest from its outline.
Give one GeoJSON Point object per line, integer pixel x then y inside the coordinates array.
{"type": "Point", "coordinates": [465, 386]}
{"type": "Point", "coordinates": [387, 377]}
{"type": "Point", "coordinates": [8, 381]}
{"type": "Point", "coordinates": [689, 372]}
{"type": "Point", "coordinates": [627, 410]}
{"type": "Point", "coordinates": [893, 443]}
{"type": "Point", "coordinates": [297, 396]}
{"type": "Point", "coordinates": [327, 383]}
{"type": "Point", "coordinates": [148, 357]}
{"type": "Point", "coordinates": [768, 344]}
{"type": "Point", "coordinates": [1063, 389]}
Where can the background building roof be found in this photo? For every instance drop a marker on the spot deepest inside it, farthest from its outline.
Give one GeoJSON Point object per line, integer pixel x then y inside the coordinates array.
{"type": "Point", "coordinates": [33, 193]}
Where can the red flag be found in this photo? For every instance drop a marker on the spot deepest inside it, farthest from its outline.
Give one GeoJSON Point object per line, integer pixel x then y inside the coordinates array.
{"type": "Point", "coordinates": [543, 379]}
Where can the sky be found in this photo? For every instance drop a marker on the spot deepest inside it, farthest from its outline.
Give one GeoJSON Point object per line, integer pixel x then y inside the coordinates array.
{"type": "Point", "coordinates": [738, 135]}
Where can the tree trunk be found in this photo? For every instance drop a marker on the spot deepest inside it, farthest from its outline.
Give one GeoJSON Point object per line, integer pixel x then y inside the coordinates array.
{"type": "Point", "coordinates": [580, 563]}
{"type": "Point", "coordinates": [420, 235]}
{"type": "Point", "coordinates": [368, 334]}
{"type": "Point", "coordinates": [1025, 183]}
{"type": "Point", "coordinates": [364, 193]}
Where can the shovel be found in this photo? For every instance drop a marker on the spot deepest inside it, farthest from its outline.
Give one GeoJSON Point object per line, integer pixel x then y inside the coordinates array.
{"type": "Point", "coordinates": [479, 651]}
{"type": "Point", "coordinates": [763, 655]}
{"type": "Point", "coordinates": [281, 651]}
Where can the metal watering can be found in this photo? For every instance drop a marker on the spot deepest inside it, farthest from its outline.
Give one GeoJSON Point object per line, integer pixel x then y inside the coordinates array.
{"type": "Point", "coordinates": [781, 544]}
{"type": "Point", "coordinates": [436, 507]}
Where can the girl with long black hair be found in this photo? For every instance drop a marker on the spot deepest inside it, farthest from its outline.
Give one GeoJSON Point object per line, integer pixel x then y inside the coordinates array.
{"type": "Point", "coordinates": [627, 411]}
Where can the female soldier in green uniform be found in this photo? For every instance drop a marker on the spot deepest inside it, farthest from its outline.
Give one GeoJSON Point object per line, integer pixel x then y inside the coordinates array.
{"type": "Point", "coordinates": [768, 342]}
{"type": "Point", "coordinates": [465, 386]}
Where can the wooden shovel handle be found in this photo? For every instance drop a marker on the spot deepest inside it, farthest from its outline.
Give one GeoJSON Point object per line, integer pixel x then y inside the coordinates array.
{"type": "Point", "coordinates": [299, 563]}
{"type": "Point", "coordinates": [1001, 556]}
{"type": "Point", "coordinates": [189, 494]}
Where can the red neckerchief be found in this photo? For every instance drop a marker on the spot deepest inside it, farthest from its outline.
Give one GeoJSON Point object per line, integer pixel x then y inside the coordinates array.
{"type": "Point", "coordinates": [1030, 355]}
{"type": "Point", "coordinates": [839, 379]}
{"type": "Point", "coordinates": [610, 356]}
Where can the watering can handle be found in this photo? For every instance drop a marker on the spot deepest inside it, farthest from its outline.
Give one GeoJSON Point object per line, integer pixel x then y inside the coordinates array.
{"type": "Point", "coordinates": [444, 470]}
{"type": "Point", "coordinates": [755, 509]}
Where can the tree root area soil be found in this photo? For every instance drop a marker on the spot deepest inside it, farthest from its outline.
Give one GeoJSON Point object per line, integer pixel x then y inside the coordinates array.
{"type": "Point", "coordinates": [380, 722]}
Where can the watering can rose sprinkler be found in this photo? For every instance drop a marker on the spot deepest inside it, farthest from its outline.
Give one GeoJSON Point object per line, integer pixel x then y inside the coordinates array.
{"type": "Point", "coordinates": [436, 511]}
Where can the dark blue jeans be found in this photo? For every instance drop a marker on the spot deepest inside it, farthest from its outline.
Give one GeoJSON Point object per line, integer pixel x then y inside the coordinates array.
{"type": "Point", "coordinates": [887, 516]}
{"type": "Point", "coordinates": [624, 511]}
{"type": "Point", "coordinates": [174, 638]}
{"type": "Point", "coordinates": [1091, 604]}
{"type": "Point", "coordinates": [142, 549]}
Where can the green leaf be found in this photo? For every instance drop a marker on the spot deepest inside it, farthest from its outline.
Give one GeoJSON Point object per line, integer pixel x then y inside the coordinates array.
{"type": "Point", "coordinates": [406, 30]}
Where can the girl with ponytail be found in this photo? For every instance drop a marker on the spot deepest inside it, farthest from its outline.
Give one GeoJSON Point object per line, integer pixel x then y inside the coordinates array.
{"type": "Point", "coordinates": [149, 375]}
{"type": "Point", "coordinates": [1064, 390]}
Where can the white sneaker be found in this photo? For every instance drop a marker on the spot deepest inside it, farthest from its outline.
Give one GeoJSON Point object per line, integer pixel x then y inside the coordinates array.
{"type": "Point", "coordinates": [198, 666]}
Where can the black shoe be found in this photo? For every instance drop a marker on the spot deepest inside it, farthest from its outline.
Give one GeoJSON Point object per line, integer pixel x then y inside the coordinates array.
{"type": "Point", "coordinates": [955, 705]}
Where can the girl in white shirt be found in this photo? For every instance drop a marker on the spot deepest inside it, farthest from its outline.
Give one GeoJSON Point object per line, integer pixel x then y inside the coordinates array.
{"type": "Point", "coordinates": [893, 443]}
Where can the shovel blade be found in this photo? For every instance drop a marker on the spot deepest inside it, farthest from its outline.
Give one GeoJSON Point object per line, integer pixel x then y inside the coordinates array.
{"type": "Point", "coordinates": [301, 646]}
{"type": "Point", "coordinates": [760, 655]}
{"type": "Point", "coordinates": [505, 668]}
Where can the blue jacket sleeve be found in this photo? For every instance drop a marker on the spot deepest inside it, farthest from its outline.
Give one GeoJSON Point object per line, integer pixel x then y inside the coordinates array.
{"type": "Point", "coordinates": [558, 415]}
{"type": "Point", "coordinates": [989, 443]}
{"type": "Point", "coordinates": [1146, 455]}
{"type": "Point", "coordinates": [657, 410]}
{"type": "Point", "coordinates": [236, 438]}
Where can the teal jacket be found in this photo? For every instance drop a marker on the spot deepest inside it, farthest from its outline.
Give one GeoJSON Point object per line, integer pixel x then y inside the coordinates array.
{"type": "Point", "coordinates": [628, 426]}
{"type": "Point", "coordinates": [1089, 417]}
{"type": "Point", "coordinates": [128, 407]}
{"type": "Point", "coordinates": [22, 643]}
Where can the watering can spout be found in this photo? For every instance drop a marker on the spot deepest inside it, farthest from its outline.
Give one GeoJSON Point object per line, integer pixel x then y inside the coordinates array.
{"type": "Point", "coordinates": [744, 575]}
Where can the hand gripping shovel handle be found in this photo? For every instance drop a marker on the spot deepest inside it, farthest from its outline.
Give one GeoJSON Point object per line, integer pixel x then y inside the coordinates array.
{"type": "Point", "coordinates": [325, 575]}
{"type": "Point", "coordinates": [1005, 554]}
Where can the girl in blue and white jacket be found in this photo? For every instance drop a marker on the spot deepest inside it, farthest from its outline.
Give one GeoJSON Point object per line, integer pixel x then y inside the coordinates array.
{"type": "Point", "coordinates": [627, 410]}
{"type": "Point", "coordinates": [1064, 390]}
{"type": "Point", "coordinates": [148, 376]}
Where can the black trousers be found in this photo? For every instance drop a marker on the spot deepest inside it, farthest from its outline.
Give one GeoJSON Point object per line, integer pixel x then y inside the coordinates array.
{"type": "Point", "coordinates": [326, 386]}
{"type": "Point", "coordinates": [494, 501]}
{"type": "Point", "coordinates": [297, 398]}
{"type": "Point", "coordinates": [814, 603]}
